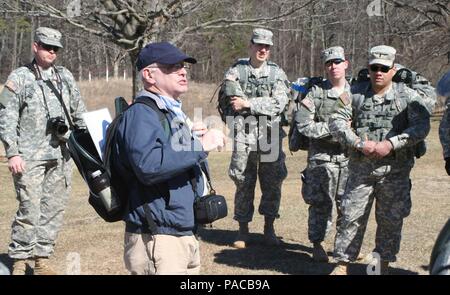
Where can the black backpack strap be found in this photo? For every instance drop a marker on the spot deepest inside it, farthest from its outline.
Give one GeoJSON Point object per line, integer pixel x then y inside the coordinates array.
{"type": "Point", "coordinates": [193, 180]}
{"type": "Point", "coordinates": [59, 96]}
{"type": "Point", "coordinates": [161, 114]}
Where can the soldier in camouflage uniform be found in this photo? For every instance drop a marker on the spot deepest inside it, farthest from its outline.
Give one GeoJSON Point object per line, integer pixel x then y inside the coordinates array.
{"type": "Point", "coordinates": [325, 177]}
{"type": "Point", "coordinates": [37, 154]}
{"type": "Point", "coordinates": [387, 121]}
{"type": "Point", "coordinates": [443, 89]}
{"type": "Point", "coordinates": [259, 96]}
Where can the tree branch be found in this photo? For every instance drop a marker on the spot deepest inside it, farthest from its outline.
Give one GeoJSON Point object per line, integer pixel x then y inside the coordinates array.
{"type": "Point", "coordinates": [222, 23]}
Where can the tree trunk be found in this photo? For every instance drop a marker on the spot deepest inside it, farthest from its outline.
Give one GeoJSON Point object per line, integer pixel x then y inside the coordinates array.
{"type": "Point", "coordinates": [135, 74]}
{"type": "Point", "coordinates": [300, 58]}
{"type": "Point", "coordinates": [2, 47]}
{"type": "Point", "coordinates": [19, 48]}
{"type": "Point", "coordinates": [33, 28]}
{"type": "Point", "coordinates": [105, 52]}
{"type": "Point", "coordinates": [116, 68]}
{"type": "Point", "coordinates": [80, 61]}
{"type": "Point", "coordinates": [14, 49]}
{"type": "Point", "coordinates": [311, 50]}
{"type": "Point", "coordinates": [369, 33]}
{"type": "Point", "coordinates": [354, 36]}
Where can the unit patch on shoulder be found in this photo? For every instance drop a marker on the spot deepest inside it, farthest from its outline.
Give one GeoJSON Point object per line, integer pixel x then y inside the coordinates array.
{"type": "Point", "coordinates": [308, 103]}
{"type": "Point", "coordinates": [11, 85]}
{"type": "Point", "coordinates": [231, 77]}
{"type": "Point", "coordinates": [345, 98]}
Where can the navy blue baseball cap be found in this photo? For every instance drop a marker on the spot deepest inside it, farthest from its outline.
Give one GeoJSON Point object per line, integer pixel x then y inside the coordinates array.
{"type": "Point", "coordinates": [163, 53]}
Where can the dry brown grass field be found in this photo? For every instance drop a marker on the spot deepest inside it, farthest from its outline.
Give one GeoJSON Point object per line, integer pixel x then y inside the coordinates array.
{"type": "Point", "coordinates": [100, 244]}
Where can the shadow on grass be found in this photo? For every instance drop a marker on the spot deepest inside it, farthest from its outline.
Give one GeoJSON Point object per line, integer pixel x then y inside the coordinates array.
{"type": "Point", "coordinates": [287, 258]}
{"type": "Point", "coordinates": [6, 260]}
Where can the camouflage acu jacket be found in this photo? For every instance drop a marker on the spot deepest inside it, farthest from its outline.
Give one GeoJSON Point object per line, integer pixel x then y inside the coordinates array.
{"type": "Point", "coordinates": [267, 102]}
{"type": "Point", "coordinates": [400, 116]}
{"type": "Point", "coordinates": [312, 121]}
{"type": "Point", "coordinates": [27, 104]}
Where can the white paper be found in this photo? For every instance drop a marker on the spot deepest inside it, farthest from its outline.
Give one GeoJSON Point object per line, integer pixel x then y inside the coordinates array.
{"type": "Point", "coordinates": [97, 122]}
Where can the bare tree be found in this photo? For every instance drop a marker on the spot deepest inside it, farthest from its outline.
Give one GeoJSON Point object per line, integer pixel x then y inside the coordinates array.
{"type": "Point", "coordinates": [108, 34]}
{"type": "Point", "coordinates": [131, 24]}
{"type": "Point", "coordinates": [424, 27]}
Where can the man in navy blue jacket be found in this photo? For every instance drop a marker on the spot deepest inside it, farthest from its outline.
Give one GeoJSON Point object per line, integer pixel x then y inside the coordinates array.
{"type": "Point", "coordinates": [159, 169]}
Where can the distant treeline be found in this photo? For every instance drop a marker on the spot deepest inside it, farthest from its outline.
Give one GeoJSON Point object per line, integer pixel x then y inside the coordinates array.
{"type": "Point", "coordinates": [419, 30]}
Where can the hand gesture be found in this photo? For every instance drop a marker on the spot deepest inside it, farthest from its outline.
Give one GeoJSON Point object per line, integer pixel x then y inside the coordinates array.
{"type": "Point", "coordinates": [199, 129]}
{"type": "Point", "coordinates": [213, 139]}
{"type": "Point", "coordinates": [383, 149]}
{"type": "Point", "coordinates": [238, 103]}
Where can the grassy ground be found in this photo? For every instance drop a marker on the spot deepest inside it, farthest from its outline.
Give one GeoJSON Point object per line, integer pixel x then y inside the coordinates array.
{"type": "Point", "coordinates": [100, 245]}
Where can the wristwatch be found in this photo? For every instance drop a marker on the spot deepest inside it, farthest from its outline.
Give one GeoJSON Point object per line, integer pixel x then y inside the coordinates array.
{"type": "Point", "coordinates": [360, 145]}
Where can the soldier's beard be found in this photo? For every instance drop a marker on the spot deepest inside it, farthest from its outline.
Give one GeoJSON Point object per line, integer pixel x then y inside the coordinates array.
{"type": "Point", "coordinates": [45, 63]}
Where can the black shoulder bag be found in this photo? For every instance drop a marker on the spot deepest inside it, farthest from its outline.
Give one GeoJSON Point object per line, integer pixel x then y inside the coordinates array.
{"type": "Point", "coordinates": [210, 207]}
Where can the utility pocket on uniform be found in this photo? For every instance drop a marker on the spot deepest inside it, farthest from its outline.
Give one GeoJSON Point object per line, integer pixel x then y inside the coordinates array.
{"type": "Point", "coordinates": [407, 204]}
{"type": "Point", "coordinates": [312, 187]}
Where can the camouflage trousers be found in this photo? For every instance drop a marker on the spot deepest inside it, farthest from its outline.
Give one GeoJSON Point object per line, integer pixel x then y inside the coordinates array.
{"type": "Point", "coordinates": [42, 191]}
{"type": "Point", "coordinates": [322, 189]}
{"type": "Point", "coordinates": [244, 169]}
{"type": "Point", "coordinates": [390, 186]}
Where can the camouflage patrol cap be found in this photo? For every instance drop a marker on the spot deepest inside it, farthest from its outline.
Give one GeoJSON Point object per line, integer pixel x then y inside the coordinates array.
{"type": "Point", "coordinates": [48, 36]}
{"type": "Point", "coordinates": [336, 52]}
{"type": "Point", "coordinates": [262, 36]}
{"type": "Point", "coordinates": [382, 55]}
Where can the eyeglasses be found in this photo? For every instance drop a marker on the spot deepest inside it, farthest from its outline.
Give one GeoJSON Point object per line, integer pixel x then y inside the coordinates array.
{"type": "Point", "coordinates": [379, 68]}
{"type": "Point", "coordinates": [334, 61]}
{"type": "Point", "coordinates": [173, 68]}
{"type": "Point", "coordinates": [49, 47]}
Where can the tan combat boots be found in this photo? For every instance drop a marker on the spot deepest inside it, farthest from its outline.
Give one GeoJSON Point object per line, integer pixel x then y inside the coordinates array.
{"type": "Point", "coordinates": [19, 267]}
{"type": "Point", "coordinates": [242, 237]}
{"type": "Point", "coordinates": [42, 267]}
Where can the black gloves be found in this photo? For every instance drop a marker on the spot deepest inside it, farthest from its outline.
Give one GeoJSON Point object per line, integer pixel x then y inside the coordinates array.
{"type": "Point", "coordinates": [447, 165]}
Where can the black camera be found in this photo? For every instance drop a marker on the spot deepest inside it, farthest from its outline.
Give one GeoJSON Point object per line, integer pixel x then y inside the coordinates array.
{"type": "Point", "coordinates": [57, 126]}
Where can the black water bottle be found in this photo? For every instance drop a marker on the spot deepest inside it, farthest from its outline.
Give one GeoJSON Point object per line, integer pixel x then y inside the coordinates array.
{"type": "Point", "coordinates": [101, 187]}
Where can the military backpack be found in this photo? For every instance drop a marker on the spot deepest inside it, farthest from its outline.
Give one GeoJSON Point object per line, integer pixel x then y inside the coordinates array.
{"type": "Point", "coordinates": [298, 141]}
{"type": "Point", "coordinates": [107, 191]}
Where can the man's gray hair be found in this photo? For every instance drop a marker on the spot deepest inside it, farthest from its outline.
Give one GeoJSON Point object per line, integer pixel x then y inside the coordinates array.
{"type": "Point", "coordinates": [141, 72]}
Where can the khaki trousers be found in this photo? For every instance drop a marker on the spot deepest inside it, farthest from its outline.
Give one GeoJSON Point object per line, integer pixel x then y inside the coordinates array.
{"type": "Point", "coordinates": [146, 254]}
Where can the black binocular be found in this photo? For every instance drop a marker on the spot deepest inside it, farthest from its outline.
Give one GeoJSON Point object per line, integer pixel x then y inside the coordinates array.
{"type": "Point", "coordinates": [57, 126]}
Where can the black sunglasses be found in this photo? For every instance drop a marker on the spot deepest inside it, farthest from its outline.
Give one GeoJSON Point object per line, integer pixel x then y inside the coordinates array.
{"type": "Point", "coordinates": [174, 67]}
{"type": "Point", "coordinates": [334, 61]}
{"type": "Point", "coordinates": [379, 68]}
{"type": "Point", "coordinates": [49, 47]}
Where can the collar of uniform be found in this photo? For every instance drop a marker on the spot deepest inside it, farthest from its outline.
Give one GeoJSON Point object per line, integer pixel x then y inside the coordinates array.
{"type": "Point", "coordinates": [388, 95]}
{"type": "Point", "coordinates": [332, 92]}
{"type": "Point", "coordinates": [47, 74]}
{"type": "Point", "coordinates": [262, 71]}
